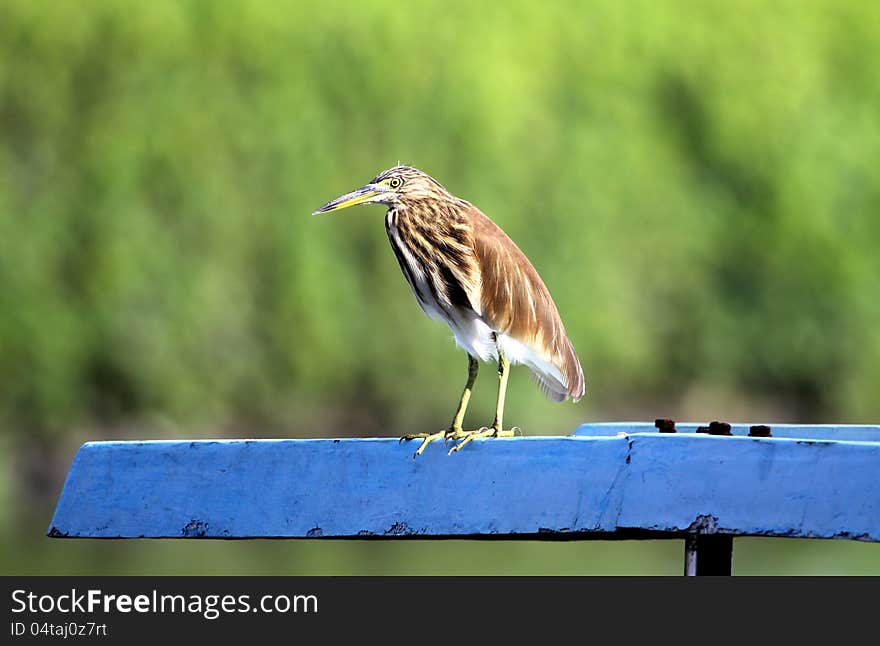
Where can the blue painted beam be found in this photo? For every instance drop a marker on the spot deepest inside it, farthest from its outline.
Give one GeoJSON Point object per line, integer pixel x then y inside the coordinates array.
{"type": "Point", "coordinates": [852, 432]}
{"type": "Point", "coordinates": [640, 485]}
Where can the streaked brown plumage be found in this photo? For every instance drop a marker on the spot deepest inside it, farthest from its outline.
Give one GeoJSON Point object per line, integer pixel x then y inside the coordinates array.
{"type": "Point", "coordinates": [465, 271]}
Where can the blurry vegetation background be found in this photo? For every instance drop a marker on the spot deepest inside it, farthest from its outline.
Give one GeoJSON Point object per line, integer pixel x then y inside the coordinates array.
{"type": "Point", "coordinates": [697, 182]}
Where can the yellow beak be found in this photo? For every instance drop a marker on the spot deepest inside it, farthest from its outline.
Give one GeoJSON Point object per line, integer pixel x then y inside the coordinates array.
{"type": "Point", "coordinates": [363, 195]}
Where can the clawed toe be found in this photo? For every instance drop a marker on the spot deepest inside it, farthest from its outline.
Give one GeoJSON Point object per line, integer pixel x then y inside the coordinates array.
{"type": "Point", "coordinates": [426, 439]}
{"type": "Point", "coordinates": [462, 437]}
{"type": "Point", "coordinates": [484, 431]}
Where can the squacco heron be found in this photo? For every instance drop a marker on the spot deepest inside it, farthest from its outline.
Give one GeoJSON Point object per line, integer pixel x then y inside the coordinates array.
{"type": "Point", "coordinates": [465, 271]}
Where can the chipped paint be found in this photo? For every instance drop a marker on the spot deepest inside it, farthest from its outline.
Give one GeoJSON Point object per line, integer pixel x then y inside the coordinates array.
{"type": "Point", "coordinates": [194, 529]}
{"type": "Point", "coordinates": [703, 524]}
{"type": "Point", "coordinates": [400, 529]}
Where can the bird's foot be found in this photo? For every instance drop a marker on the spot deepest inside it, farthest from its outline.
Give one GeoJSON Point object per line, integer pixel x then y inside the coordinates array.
{"type": "Point", "coordinates": [427, 438]}
{"type": "Point", "coordinates": [458, 435]}
{"type": "Point", "coordinates": [486, 431]}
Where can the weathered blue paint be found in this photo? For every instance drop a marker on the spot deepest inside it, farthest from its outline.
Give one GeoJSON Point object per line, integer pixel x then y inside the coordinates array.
{"type": "Point", "coordinates": [770, 487]}
{"type": "Point", "coordinates": [853, 432]}
{"type": "Point", "coordinates": [544, 487]}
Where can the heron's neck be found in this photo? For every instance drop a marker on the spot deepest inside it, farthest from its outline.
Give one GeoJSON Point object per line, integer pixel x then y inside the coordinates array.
{"type": "Point", "coordinates": [428, 212]}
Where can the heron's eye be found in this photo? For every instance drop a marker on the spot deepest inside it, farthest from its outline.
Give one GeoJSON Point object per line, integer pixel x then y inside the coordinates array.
{"type": "Point", "coordinates": [395, 182]}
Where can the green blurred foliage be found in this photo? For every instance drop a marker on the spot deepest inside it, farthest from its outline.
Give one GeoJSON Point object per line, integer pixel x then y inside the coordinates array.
{"type": "Point", "coordinates": [696, 182]}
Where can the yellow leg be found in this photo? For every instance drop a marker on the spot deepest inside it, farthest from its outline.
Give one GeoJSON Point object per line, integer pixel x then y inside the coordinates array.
{"type": "Point", "coordinates": [497, 429]}
{"type": "Point", "coordinates": [454, 431]}
{"type": "Point", "coordinates": [503, 373]}
{"type": "Point", "coordinates": [473, 368]}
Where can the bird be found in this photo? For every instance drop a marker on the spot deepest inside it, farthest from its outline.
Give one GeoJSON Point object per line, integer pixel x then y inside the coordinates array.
{"type": "Point", "coordinates": [465, 271]}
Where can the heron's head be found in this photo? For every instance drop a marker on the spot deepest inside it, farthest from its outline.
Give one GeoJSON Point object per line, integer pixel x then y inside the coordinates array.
{"type": "Point", "coordinates": [394, 187]}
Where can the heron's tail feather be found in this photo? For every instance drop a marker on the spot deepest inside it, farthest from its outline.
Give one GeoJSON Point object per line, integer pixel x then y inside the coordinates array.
{"type": "Point", "coordinates": [560, 378]}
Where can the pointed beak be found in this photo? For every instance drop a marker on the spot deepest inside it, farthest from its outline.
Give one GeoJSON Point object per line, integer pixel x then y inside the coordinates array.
{"type": "Point", "coordinates": [363, 195]}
